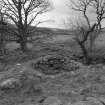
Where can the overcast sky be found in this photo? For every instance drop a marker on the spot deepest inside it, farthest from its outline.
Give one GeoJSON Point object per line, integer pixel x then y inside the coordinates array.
{"type": "Point", "coordinates": [58, 15]}
{"type": "Point", "coordinates": [61, 13]}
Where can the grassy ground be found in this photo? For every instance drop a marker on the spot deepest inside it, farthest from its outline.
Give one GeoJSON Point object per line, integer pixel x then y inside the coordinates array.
{"type": "Point", "coordinates": [69, 87]}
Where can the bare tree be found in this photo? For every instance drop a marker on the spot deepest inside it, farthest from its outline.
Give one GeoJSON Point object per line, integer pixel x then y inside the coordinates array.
{"type": "Point", "coordinates": [3, 30]}
{"type": "Point", "coordinates": [92, 29]}
{"type": "Point", "coordinates": [23, 13]}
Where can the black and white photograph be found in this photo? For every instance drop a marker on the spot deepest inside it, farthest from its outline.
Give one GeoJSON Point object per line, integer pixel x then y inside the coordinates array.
{"type": "Point", "coordinates": [52, 52]}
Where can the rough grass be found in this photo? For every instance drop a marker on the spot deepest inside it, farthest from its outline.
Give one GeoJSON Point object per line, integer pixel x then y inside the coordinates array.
{"type": "Point", "coordinates": [69, 86]}
{"type": "Point", "coordinates": [74, 86]}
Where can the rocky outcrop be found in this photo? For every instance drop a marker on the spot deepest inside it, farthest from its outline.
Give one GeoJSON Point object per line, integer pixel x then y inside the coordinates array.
{"type": "Point", "coordinates": [54, 64]}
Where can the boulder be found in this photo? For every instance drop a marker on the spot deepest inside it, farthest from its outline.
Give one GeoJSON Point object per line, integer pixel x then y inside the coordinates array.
{"type": "Point", "coordinates": [88, 101]}
{"type": "Point", "coordinates": [95, 101]}
{"type": "Point", "coordinates": [52, 100]}
{"type": "Point", "coordinates": [10, 83]}
{"type": "Point", "coordinates": [80, 103]}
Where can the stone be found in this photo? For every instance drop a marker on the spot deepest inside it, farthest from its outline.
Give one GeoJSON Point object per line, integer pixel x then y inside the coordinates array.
{"type": "Point", "coordinates": [10, 83]}
{"type": "Point", "coordinates": [80, 103]}
{"type": "Point", "coordinates": [89, 101]}
{"type": "Point", "coordinates": [52, 100]}
{"type": "Point", "coordinates": [94, 100]}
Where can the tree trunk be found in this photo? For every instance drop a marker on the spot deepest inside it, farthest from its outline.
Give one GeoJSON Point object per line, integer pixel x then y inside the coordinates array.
{"type": "Point", "coordinates": [85, 53]}
{"type": "Point", "coordinates": [23, 43]}
{"type": "Point", "coordinates": [2, 45]}
{"type": "Point", "coordinates": [22, 39]}
{"type": "Point", "coordinates": [2, 49]}
{"type": "Point", "coordinates": [23, 46]}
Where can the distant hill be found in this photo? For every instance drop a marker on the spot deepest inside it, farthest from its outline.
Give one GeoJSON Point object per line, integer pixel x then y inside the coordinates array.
{"type": "Point", "coordinates": [55, 31]}
{"type": "Point", "coordinates": [10, 29]}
